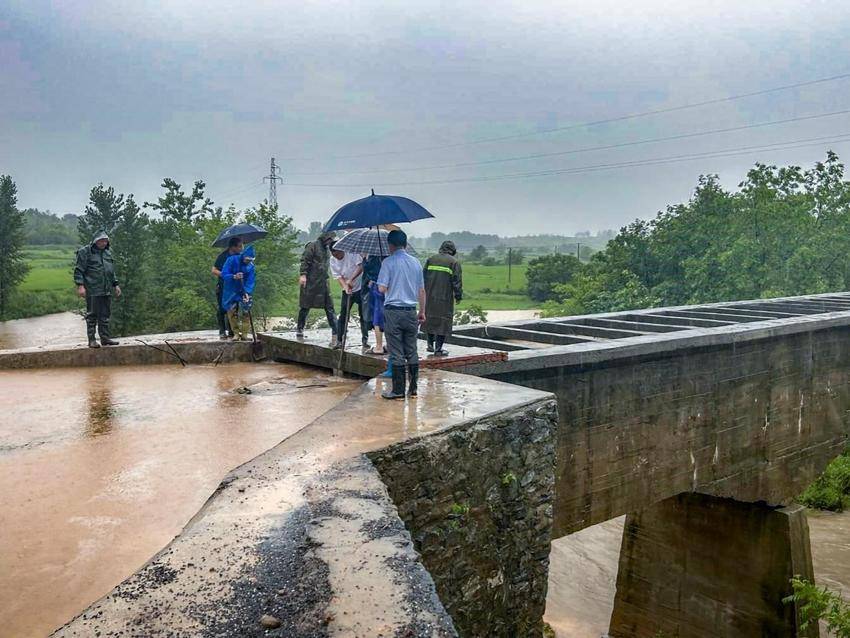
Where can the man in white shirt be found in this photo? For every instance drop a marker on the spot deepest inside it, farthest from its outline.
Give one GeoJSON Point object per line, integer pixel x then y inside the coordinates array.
{"type": "Point", "coordinates": [346, 268]}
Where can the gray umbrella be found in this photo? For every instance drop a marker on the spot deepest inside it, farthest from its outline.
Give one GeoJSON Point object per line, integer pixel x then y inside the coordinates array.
{"type": "Point", "coordinates": [366, 241]}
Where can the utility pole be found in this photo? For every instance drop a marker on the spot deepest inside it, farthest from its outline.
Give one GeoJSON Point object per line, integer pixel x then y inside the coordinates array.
{"type": "Point", "coordinates": [273, 178]}
{"type": "Point", "coordinates": [578, 250]}
{"type": "Point", "coordinates": [510, 261]}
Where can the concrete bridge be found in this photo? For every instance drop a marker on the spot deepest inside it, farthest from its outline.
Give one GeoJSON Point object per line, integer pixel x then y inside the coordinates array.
{"type": "Point", "coordinates": [701, 423]}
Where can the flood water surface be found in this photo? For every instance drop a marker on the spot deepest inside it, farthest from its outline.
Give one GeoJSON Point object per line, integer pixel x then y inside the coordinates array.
{"type": "Point", "coordinates": [57, 328]}
{"type": "Point", "coordinates": [101, 467]}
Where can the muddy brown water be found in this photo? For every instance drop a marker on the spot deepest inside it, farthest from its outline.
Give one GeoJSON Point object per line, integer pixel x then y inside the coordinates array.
{"type": "Point", "coordinates": [58, 328]}
{"type": "Point", "coordinates": [101, 467]}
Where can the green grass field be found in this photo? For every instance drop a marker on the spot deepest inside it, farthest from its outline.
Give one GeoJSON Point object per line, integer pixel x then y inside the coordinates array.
{"type": "Point", "coordinates": [50, 268]}
{"type": "Point", "coordinates": [48, 286]}
{"type": "Point", "coordinates": [488, 287]}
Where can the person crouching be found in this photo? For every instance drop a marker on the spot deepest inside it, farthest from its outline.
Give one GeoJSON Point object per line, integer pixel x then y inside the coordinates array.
{"type": "Point", "coordinates": [239, 278]}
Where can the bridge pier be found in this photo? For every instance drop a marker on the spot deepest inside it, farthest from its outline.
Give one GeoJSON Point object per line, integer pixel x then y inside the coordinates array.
{"type": "Point", "coordinates": [696, 566]}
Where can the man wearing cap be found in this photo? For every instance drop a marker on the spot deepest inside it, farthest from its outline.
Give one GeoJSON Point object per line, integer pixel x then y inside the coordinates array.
{"type": "Point", "coordinates": [402, 283]}
{"type": "Point", "coordinates": [94, 274]}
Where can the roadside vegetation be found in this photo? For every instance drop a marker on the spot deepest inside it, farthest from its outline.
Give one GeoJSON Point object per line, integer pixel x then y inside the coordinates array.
{"type": "Point", "coordinates": [820, 604]}
{"type": "Point", "coordinates": [831, 490]}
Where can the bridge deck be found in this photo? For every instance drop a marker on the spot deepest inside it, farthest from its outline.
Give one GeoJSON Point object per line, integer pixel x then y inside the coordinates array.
{"type": "Point", "coordinates": [314, 349]}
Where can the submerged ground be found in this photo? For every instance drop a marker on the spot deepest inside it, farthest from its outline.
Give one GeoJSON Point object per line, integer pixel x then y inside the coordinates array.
{"type": "Point", "coordinates": [101, 467]}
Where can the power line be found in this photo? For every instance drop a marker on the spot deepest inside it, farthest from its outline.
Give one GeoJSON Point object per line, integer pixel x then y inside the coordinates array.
{"type": "Point", "coordinates": [745, 150]}
{"type": "Point", "coordinates": [621, 118]}
{"type": "Point", "coordinates": [585, 149]}
{"type": "Point", "coordinates": [253, 185]}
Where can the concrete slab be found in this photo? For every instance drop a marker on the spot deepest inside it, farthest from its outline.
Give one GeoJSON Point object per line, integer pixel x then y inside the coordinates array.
{"type": "Point", "coordinates": [314, 348]}
{"type": "Point", "coordinates": [305, 535]}
{"type": "Point", "coordinates": [198, 347]}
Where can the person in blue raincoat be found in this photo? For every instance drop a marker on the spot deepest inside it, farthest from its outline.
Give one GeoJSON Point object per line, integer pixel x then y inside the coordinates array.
{"type": "Point", "coordinates": [238, 276]}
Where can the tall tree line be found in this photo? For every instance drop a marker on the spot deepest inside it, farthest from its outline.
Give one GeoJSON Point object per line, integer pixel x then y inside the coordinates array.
{"type": "Point", "coordinates": [784, 231]}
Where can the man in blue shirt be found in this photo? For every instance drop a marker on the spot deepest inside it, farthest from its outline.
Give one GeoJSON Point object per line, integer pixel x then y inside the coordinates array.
{"type": "Point", "coordinates": [403, 285]}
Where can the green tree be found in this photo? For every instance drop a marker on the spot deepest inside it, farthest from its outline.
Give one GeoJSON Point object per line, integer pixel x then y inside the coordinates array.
{"type": "Point", "coordinates": [276, 259]}
{"type": "Point", "coordinates": [103, 212]}
{"type": "Point", "coordinates": [179, 206]}
{"type": "Point", "coordinates": [477, 254]}
{"type": "Point", "coordinates": [785, 231]}
{"type": "Point", "coordinates": [13, 269]}
{"type": "Point", "coordinates": [546, 272]}
{"type": "Point", "coordinates": [130, 241]}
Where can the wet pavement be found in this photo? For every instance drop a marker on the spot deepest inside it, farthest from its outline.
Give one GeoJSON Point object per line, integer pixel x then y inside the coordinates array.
{"type": "Point", "coordinates": [101, 467]}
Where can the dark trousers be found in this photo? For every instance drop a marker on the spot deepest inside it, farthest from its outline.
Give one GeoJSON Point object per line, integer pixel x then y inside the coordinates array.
{"type": "Point", "coordinates": [354, 299]}
{"type": "Point", "coordinates": [440, 339]}
{"type": "Point", "coordinates": [402, 328]}
{"type": "Point", "coordinates": [329, 313]}
{"type": "Point", "coordinates": [98, 309]}
{"type": "Point", "coordinates": [221, 315]}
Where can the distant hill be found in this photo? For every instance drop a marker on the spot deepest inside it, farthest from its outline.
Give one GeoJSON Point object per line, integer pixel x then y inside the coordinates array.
{"type": "Point", "coordinates": [466, 241]}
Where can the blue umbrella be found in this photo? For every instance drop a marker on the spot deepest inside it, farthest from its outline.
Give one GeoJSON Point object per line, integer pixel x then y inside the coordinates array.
{"type": "Point", "coordinates": [376, 210]}
{"type": "Point", "coordinates": [248, 233]}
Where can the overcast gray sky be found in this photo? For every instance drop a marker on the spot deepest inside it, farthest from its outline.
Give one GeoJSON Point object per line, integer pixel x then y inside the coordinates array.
{"type": "Point", "coordinates": [130, 92]}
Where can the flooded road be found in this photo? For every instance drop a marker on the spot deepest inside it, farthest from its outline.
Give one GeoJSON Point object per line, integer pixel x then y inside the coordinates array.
{"type": "Point", "coordinates": [583, 571]}
{"type": "Point", "coordinates": [58, 328]}
{"type": "Point", "coordinates": [100, 468]}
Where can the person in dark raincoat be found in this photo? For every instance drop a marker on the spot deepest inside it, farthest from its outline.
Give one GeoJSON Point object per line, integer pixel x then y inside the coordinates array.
{"type": "Point", "coordinates": [315, 292]}
{"type": "Point", "coordinates": [94, 274]}
{"type": "Point", "coordinates": [443, 287]}
{"type": "Point", "coordinates": [238, 277]}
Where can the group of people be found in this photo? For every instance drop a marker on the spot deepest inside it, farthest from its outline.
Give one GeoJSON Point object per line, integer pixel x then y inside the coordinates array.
{"type": "Point", "coordinates": [391, 294]}
{"type": "Point", "coordinates": [394, 296]}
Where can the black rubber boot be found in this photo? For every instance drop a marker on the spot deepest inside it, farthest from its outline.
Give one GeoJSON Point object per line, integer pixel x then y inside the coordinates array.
{"type": "Point", "coordinates": [103, 331]}
{"type": "Point", "coordinates": [90, 330]}
{"type": "Point", "coordinates": [412, 388]}
{"type": "Point", "coordinates": [399, 378]}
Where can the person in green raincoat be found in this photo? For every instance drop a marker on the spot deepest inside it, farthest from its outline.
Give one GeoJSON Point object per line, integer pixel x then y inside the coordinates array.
{"type": "Point", "coordinates": [94, 274]}
{"type": "Point", "coordinates": [315, 291]}
{"type": "Point", "coordinates": [443, 287]}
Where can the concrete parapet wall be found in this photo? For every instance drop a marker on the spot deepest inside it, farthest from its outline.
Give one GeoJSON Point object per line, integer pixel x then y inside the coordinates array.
{"type": "Point", "coordinates": [751, 420]}
{"type": "Point", "coordinates": [478, 502]}
{"type": "Point", "coordinates": [130, 352]}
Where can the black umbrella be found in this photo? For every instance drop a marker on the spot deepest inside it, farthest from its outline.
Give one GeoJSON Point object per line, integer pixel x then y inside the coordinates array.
{"type": "Point", "coordinates": [248, 233]}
